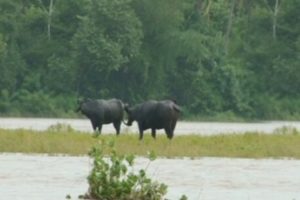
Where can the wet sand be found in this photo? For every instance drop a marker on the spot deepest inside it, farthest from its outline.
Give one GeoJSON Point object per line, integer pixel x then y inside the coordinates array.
{"type": "Point", "coordinates": [182, 128]}
{"type": "Point", "coordinates": [42, 177]}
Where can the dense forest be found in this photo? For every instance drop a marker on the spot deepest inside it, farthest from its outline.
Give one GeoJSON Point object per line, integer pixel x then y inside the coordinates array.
{"type": "Point", "coordinates": [217, 58]}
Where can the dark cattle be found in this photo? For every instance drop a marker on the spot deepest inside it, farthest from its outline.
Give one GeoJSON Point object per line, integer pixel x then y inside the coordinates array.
{"type": "Point", "coordinates": [154, 115]}
{"type": "Point", "coordinates": [101, 112]}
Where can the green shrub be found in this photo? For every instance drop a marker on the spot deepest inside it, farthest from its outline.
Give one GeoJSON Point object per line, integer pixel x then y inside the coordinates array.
{"type": "Point", "coordinates": [60, 127]}
{"type": "Point", "coordinates": [112, 179]}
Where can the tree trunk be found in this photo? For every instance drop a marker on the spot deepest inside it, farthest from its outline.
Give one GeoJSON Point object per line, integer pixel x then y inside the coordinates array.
{"type": "Point", "coordinates": [275, 13]}
{"type": "Point", "coordinates": [229, 26]}
{"type": "Point", "coordinates": [49, 19]}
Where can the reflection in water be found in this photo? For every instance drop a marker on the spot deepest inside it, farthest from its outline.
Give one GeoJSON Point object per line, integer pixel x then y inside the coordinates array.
{"type": "Point", "coordinates": [36, 177]}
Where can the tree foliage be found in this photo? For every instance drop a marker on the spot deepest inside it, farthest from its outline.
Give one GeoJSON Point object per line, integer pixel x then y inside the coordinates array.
{"type": "Point", "coordinates": [213, 57]}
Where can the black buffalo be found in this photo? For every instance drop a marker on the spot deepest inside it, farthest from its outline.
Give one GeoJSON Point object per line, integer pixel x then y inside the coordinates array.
{"type": "Point", "coordinates": [101, 112]}
{"type": "Point", "coordinates": [154, 115]}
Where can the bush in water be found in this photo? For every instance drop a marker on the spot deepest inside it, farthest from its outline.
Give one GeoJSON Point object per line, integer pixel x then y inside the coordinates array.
{"type": "Point", "coordinates": [111, 178]}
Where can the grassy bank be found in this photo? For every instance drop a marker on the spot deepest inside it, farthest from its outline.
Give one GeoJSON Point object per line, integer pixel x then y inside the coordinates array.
{"type": "Point", "coordinates": [283, 143]}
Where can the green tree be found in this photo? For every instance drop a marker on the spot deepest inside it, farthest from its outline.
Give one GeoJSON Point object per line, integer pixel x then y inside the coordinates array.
{"type": "Point", "coordinates": [161, 21]}
{"type": "Point", "coordinates": [108, 37]}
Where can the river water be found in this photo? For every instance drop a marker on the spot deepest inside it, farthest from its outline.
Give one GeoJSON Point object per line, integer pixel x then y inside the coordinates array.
{"type": "Point", "coordinates": [182, 128]}
{"type": "Point", "coordinates": [42, 177]}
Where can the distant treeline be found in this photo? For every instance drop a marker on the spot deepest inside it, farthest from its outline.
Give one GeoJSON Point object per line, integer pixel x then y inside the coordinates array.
{"type": "Point", "coordinates": [216, 58]}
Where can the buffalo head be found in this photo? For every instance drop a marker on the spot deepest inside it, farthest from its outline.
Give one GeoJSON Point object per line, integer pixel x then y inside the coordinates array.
{"type": "Point", "coordinates": [130, 115]}
{"type": "Point", "coordinates": [80, 102]}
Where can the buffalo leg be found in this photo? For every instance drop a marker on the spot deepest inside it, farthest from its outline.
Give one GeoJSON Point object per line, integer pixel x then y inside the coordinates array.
{"type": "Point", "coordinates": [117, 126]}
{"type": "Point", "coordinates": [173, 127]}
{"type": "Point", "coordinates": [99, 128]}
{"type": "Point", "coordinates": [169, 131]}
{"type": "Point", "coordinates": [141, 131]}
{"type": "Point", "coordinates": [94, 124]}
{"type": "Point", "coordinates": [153, 133]}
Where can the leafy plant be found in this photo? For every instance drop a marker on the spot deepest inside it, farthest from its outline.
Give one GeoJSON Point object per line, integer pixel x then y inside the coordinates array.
{"type": "Point", "coordinates": [112, 177]}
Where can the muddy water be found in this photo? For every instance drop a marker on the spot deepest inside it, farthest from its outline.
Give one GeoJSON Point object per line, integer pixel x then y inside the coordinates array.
{"type": "Point", "coordinates": [36, 177]}
{"type": "Point", "coordinates": [204, 128]}
{"type": "Point", "coordinates": [41, 177]}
